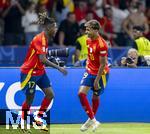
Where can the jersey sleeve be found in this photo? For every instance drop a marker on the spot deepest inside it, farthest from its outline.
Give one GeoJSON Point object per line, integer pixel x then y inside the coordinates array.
{"type": "Point", "coordinates": [103, 48]}
{"type": "Point", "coordinates": [40, 45]}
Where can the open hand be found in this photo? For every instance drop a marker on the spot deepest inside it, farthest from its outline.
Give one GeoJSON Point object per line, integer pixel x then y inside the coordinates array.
{"type": "Point", "coordinates": [63, 70]}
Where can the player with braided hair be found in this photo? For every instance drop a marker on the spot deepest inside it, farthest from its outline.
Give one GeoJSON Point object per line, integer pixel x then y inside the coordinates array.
{"type": "Point", "coordinates": [33, 72]}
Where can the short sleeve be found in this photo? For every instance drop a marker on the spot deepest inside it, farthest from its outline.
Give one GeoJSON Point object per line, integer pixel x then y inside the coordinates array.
{"type": "Point", "coordinates": [40, 45]}
{"type": "Point", "coordinates": [103, 48]}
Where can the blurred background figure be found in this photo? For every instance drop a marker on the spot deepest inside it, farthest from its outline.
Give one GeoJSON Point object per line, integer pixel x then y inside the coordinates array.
{"type": "Point", "coordinates": [31, 28]}
{"type": "Point", "coordinates": [107, 24]}
{"type": "Point", "coordinates": [132, 59]}
{"type": "Point", "coordinates": [89, 16]}
{"type": "Point", "coordinates": [80, 10]}
{"type": "Point", "coordinates": [81, 48]}
{"type": "Point", "coordinates": [117, 19]}
{"type": "Point", "coordinates": [142, 44]}
{"type": "Point", "coordinates": [136, 18]}
{"type": "Point", "coordinates": [12, 17]}
{"type": "Point", "coordinates": [60, 11]}
{"type": "Point", "coordinates": [68, 31]}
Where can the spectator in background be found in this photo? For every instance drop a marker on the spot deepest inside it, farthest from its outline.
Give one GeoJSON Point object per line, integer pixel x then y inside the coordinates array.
{"type": "Point", "coordinates": [118, 16]}
{"type": "Point", "coordinates": [114, 3]}
{"type": "Point", "coordinates": [81, 47]}
{"type": "Point", "coordinates": [12, 16]}
{"type": "Point", "coordinates": [68, 31]}
{"type": "Point", "coordinates": [107, 24]}
{"type": "Point", "coordinates": [142, 44]}
{"type": "Point", "coordinates": [31, 28]}
{"type": "Point", "coordinates": [70, 4]}
{"type": "Point", "coordinates": [136, 18]}
{"type": "Point", "coordinates": [80, 11]}
{"type": "Point", "coordinates": [1, 31]}
{"type": "Point", "coordinates": [148, 18]}
{"type": "Point", "coordinates": [132, 59]}
{"type": "Point", "coordinates": [3, 5]}
{"type": "Point", "coordinates": [89, 16]}
{"type": "Point", "coordinates": [99, 7]}
{"type": "Point", "coordinates": [60, 11]}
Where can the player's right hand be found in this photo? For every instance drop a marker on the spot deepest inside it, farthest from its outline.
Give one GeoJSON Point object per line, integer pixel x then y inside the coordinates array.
{"type": "Point", "coordinates": [63, 70]}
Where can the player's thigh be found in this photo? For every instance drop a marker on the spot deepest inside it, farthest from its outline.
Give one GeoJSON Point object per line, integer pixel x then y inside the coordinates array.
{"type": "Point", "coordinates": [102, 85]}
{"type": "Point", "coordinates": [44, 84]}
{"type": "Point", "coordinates": [86, 83]}
{"type": "Point", "coordinates": [84, 89]}
{"type": "Point", "coordinates": [28, 87]}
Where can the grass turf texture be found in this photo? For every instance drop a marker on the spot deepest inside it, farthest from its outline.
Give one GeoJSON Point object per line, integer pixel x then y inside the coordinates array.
{"type": "Point", "coordinates": [105, 128]}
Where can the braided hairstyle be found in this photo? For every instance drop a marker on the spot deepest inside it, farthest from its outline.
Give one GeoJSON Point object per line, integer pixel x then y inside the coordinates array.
{"type": "Point", "coordinates": [44, 19]}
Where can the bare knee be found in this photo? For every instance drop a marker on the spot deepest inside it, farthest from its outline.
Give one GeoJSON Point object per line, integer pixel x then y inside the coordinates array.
{"type": "Point", "coordinates": [83, 90]}
{"type": "Point", "coordinates": [29, 99]}
{"type": "Point", "coordinates": [49, 95]}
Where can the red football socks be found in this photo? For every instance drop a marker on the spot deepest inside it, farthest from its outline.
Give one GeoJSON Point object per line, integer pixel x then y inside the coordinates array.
{"type": "Point", "coordinates": [95, 103]}
{"type": "Point", "coordinates": [44, 106]}
{"type": "Point", "coordinates": [25, 109]}
{"type": "Point", "coordinates": [86, 105]}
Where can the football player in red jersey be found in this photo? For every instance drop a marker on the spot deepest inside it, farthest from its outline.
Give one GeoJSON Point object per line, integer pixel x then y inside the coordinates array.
{"type": "Point", "coordinates": [33, 70]}
{"type": "Point", "coordinates": [96, 74]}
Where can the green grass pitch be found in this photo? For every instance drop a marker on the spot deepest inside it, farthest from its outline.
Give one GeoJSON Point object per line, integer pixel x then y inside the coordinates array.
{"type": "Point", "coordinates": [104, 128]}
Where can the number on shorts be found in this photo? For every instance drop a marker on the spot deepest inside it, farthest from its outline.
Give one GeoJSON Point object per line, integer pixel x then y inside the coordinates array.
{"type": "Point", "coordinates": [31, 84]}
{"type": "Point", "coordinates": [85, 75]}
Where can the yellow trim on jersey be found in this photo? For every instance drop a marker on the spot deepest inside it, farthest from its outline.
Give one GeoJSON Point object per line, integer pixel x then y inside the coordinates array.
{"type": "Point", "coordinates": [33, 51]}
{"type": "Point", "coordinates": [104, 80]}
{"type": "Point", "coordinates": [43, 41]}
{"type": "Point", "coordinates": [24, 83]}
{"type": "Point", "coordinates": [100, 42]}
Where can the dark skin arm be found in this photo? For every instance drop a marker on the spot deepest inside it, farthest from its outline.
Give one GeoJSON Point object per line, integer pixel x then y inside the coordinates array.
{"type": "Point", "coordinates": [45, 61]}
{"type": "Point", "coordinates": [103, 61]}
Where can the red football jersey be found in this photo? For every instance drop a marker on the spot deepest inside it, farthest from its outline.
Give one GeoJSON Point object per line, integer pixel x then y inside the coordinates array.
{"type": "Point", "coordinates": [96, 48]}
{"type": "Point", "coordinates": [39, 45]}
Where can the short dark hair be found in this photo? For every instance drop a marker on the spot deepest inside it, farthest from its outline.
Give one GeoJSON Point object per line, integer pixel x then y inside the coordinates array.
{"type": "Point", "coordinates": [94, 24]}
{"type": "Point", "coordinates": [139, 28]}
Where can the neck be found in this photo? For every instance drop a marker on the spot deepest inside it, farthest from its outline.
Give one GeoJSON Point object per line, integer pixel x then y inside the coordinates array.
{"type": "Point", "coordinates": [46, 34]}
{"type": "Point", "coordinates": [94, 36]}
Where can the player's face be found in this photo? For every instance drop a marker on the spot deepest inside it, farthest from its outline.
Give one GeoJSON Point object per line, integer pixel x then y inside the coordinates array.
{"type": "Point", "coordinates": [52, 29]}
{"type": "Point", "coordinates": [90, 31]}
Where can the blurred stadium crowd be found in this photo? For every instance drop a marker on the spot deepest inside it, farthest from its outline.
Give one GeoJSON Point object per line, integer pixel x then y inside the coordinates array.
{"type": "Point", "coordinates": [117, 18]}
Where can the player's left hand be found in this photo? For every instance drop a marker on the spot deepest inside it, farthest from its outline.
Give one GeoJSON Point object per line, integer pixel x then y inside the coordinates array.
{"type": "Point", "coordinates": [96, 84]}
{"type": "Point", "coordinates": [63, 70]}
